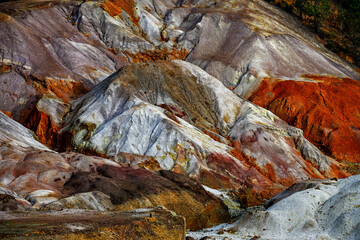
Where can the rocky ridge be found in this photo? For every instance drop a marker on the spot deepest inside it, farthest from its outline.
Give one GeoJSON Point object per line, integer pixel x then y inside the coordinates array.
{"type": "Point", "coordinates": [161, 98]}
{"type": "Point", "coordinates": [164, 98]}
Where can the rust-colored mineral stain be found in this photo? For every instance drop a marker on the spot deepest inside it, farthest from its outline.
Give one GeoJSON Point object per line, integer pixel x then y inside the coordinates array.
{"type": "Point", "coordinates": [4, 17]}
{"type": "Point", "coordinates": [326, 109]}
{"type": "Point", "coordinates": [153, 55]}
{"type": "Point", "coordinates": [6, 113]}
{"type": "Point", "coordinates": [115, 7]}
{"type": "Point", "coordinates": [249, 197]}
{"type": "Point", "coordinates": [45, 129]}
{"type": "Point", "coordinates": [336, 172]}
{"type": "Point", "coordinates": [215, 180]}
{"type": "Point", "coordinates": [5, 68]}
{"type": "Point", "coordinates": [178, 169]}
{"type": "Point", "coordinates": [150, 164]}
{"type": "Point", "coordinates": [270, 171]}
{"type": "Point", "coordinates": [64, 89]}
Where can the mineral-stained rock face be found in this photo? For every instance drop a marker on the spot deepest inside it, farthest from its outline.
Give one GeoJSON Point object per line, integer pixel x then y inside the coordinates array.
{"type": "Point", "coordinates": [89, 200]}
{"type": "Point", "coordinates": [249, 39]}
{"type": "Point", "coordinates": [326, 108]}
{"type": "Point", "coordinates": [147, 109]}
{"type": "Point", "coordinates": [140, 224]}
{"type": "Point", "coordinates": [140, 102]}
{"type": "Point", "coordinates": [43, 53]}
{"type": "Point", "coordinates": [251, 42]}
{"type": "Point", "coordinates": [132, 189]}
{"type": "Point", "coordinates": [62, 51]}
{"type": "Point", "coordinates": [33, 175]}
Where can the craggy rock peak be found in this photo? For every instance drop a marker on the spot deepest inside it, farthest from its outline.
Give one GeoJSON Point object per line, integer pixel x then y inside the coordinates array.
{"type": "Point", "coordinates": [191, 123]}
{"type": "Point", "coordinates": [252, 45]}
{"type": "Point", "coordinates": [249, 39]}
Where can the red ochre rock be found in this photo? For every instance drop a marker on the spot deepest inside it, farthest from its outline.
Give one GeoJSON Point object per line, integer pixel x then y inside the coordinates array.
{"type": "Point", "coordinates": [45, 130]}
{"type": "Point", "coordinates": [327, 109]}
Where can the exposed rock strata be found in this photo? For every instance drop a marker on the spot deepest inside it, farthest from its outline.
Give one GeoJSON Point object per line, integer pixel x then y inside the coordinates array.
{"type": "Point", "coordinates": [32, 175]}
{"type": "Point", "coordinates": [318, 106]}
{"type": "Point", "coordinates": [141, 224]}
{"type": "Point", "coordinates": [246, 53]}
{"type": "Point", "coordinates": [251, 42]}
{"type": "Point", "coordinates": [163, 109]}
{"type": "Point", "coordinates": [45, 53]}
{"type": "Point", "coordinates": [171, 115]}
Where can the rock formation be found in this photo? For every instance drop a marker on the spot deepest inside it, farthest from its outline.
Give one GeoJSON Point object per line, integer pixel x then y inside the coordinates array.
{"type": "Point", "coordinates": [117, 105]}
{"type": "Point", "coordinates": [313, 209]}
{"type": "Point", "coordinates": [140, 224]}
{"type": "Point", "coordinates": [330, 209]}
{"type": "Point", "coordinates": [190, 122]}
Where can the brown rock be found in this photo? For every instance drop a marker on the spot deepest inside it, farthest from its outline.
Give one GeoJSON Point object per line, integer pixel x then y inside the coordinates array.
{"type": "Point", "coordinates": [138, 188]}
{"type": "Point", "coordinates": [140, 224]}
{"type": "Point", "coordinates": [136, 161]}
{"type": "Point", "coordinates": [86, 201]}
{"type": "Point", "coordinates": [9, 203]}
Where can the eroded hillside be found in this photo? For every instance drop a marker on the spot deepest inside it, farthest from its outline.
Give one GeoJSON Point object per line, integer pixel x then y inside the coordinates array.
{"type": "Point", "coordinates": [136, 104]}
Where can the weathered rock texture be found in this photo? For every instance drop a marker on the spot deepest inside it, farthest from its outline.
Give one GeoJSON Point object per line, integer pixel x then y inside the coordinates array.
{"type": "Point", "coordinates": [190, 122]}
{"type": "Point", "coordinates": [32, 175]}
{"type": "Point", "coordinates": [312, 209]}
{"type": "Point", "coordinates": [252, 43]}
{"type": "Point", "coordinates": [86, 78]}
{"type": "Point", "coordinates": [326, 108]}
{"type": "Point", "coordinates": [316, 209]}
{"type": "Point", "coordinates": [42, 52]}
{"type": "Point", "coordinates": [141, 224]}
{"type": "Point", "coordinates": [132, 189]}
{"type": "Point", "coordinates": [249, 39]}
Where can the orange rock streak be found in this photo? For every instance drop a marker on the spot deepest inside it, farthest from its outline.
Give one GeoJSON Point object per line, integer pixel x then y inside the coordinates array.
{"type": "Point", "coordinates": [327, 109]}
{"type": "Point", "coordinates": [44, 128]}
{"type": "Point", "coordinates": [115, 7]}
{"type": "Point", "coordinates": [153, 55]}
